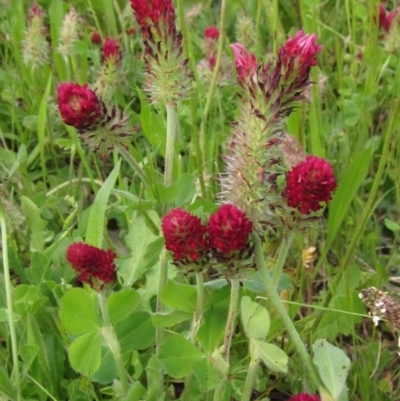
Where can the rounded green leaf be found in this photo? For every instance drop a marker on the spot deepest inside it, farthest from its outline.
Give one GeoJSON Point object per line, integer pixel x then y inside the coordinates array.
{"type": "Point", "coordinates": [28, 299]}
{"type": "Point", "coordinates": [207, 373]}
{"type": "Point", "coordinates": [78, 311]}
{"type": "Point", "coordinates": [255, 319]}
{"type": "Point", "coordinates": [85, 353]}
{"type": "Point", "coordinates": [121, 304]}
{"type": "Point", "coordinates": [179, 355]}
{"type": "Point", "coordinates": [333, 366]}
{"type": "Point", "coordinates": [171, 318]}
{"type": "Point", "coordinates": [178, 295]}
{"type": "Point", "coordinates": [272, 356]}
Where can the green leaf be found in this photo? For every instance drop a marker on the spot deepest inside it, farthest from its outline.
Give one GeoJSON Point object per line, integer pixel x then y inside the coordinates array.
{"type": "Point", "coordinates": [39, 268]}
{"type": "Point", "coordinates": [28, 353]}
{"type": "Point", "coordinates": [333, 366]}
{"type": "Point", "coordinates": [207, 373]}
{"type": "Point", "coordinates": [179, 355]}
{"type": "Point", "coordinates": [272, 356]}
{"type": "Point", "coordinates": [255, 319]}
{"type": "Point", "coordinates": [78, 311]}
{"type": "Point", "coordinates": [178, 295]}
{"type": "Point", "coordinates": [139, 238]}
{"type": "Point", "coordinates": [155, 375]}
{"type": "Point", "coordinates": [6, 386]}
{"type": "Point", "coordinates": [85, 353]}
{"type": "Point", "coordinates": [108, 370]}
{"type": "Point", "coordinates": [171, 318]}
{"type": "Point", "coordinates": [4, 315]}
{"type": "Point", "coordinates": [212, 330]}
{"type": "Point", "coordinates": [95, 228]}
{"type": "Point", "coordinates": [136, 332]}
{"type": "Point", "coordinates": [187, 190]}
{"type": "Point", "coordinates": [121, 304]}
{"type": "Point", "coordinates": [391, 225]}
{"type": "Point", "coordinates": [27, 299]}
{"type": "Point", "coordinates": [346, 192]}
{"type": "Point", "coordinates": [136, 392]}
{"type": "Point", "coordinates": [36, 224]}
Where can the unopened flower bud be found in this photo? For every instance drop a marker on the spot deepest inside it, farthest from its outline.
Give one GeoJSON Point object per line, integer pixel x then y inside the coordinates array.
{"type": "Point", "coordinates": [96, 38]}
{"type": "Point", "coordinates": [69, 33]}
{"type": "Point", "coordinates": [111, 50]}
{"type": "Point", "coordinates": [245, 62]}
{"type": "Point", "coordinates": [305, 397]}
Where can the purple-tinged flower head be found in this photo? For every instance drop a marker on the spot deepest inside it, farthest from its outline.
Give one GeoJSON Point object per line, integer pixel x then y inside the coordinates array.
{"type": "Point", "coordinates": [185, 236]}
{"type": "Point", "coordinates": [166, 68]}
{"type": "Point", "coordinates": [211, 33]}
{"type": "Point", "coordinates": [111, 50]}
{"type": "Point", "coordinates": [245, 62]}
{"type": "Point", "coordinates": [229, 230]}
{"type": "Point", "coordinates": [305, 397]}
{"type": "Point", "coordinates": [389, 22]}
{"type": "Point", "coordinates": [255, 160]}
{"type": "Point", "coordinates": [300, 50]}
{"type": "Point", "coordinates": [309, 183]}
{"type": "Point", "coordinates": [100, 129]}
{"type": "Point", "coordinates": [96, 38]}
{"type": "Point", "coordinates": [95, 266]}
{"type": "Point", "coordinates": [35, 47]}
{"type": "Point", "coordinates": [79, 106]}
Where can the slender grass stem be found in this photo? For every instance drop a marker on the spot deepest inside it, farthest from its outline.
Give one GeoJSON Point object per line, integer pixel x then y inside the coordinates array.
{"type": "Point", "coordinates": [10, 312]}
{"type": "Point", "coordinates": [112, 342]}
{"type": "Point", "coordinates": [133, 163]}
{"type": "Point", "coordinates": [283, 252]}
{"type": "Point", "coordinates": [229, 329]}
{"type": "Point", "coordinates": [276, 302]}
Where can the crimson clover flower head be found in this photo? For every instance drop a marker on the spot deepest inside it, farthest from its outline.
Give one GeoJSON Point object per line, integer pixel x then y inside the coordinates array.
{"type": "Point", "coordinates": [96, 38]}
{"type": "Point", "coordinates": [229, 229]}
{"type": "Point", "coordinates": [148, 12]}
{"type": "Point", "coordinates": [79, 106]}
{"type": "Point", "coordinates": [111, 49]}
{"type": "Point", "coordinates": [305, 397]}
{"type": "Point", "coordinates": [211, 33]}
{"type": "Point", "coordinates": [92, 263]}
{"type": "Point", "coordinates": [34, 11]}
{"type": "Point", "coordinates": [309, 183]}
{"type": "Point", "coordinates": [385, 18]}
{"type": "Point", "coordinates": [245, 62]}
{"type": "Point", "coordinates": [302, 47]}
{"type": "Point", "coordinates": [185, 236]}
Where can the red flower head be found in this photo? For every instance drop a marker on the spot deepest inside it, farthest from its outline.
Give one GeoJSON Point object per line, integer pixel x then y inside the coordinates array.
{"type": "Point", "coordinates": [309, 183]}
{"type": "Point", "coordinates": [211, 33]}
{"type": "Point", "coordinates": [302, 48]}
{"type": "Point", "coordinates": [91, 262]}
{"type": "Point", "coordinates": [185, 236]}
{"type": "Point", "coordinates": [229, 229]}
{"type": "Point", "coordinates": [245, 62]}
{"type": "Point", "coordinates": [110, 49]}
{"type": "Point", "coordinates": [305, 397]}
{"type": "Point", "coordinates": [79, 106]}
{"type": "Point", "coordinates": [148, 12]}
{"type": "Point", "coordinates": [95, 38]}
{"type": "Point", "coordinates": [385, 18]}
{"type": "Point", "coordinates": [34, 11]}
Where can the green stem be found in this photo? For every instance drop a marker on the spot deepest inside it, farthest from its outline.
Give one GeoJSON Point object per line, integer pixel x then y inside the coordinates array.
{"type": "Point", "coordinates": [172, 133]}
{"type": "Point", "coordinates": [199, 304]}
{"type": "Point", "coordinates": [273, 296]}
{"type": "Point", "coordinates": [213, 84]}
{"type": "Point", "coordinates": [229, 329]}
{"type": "Point", "coordinates": [251, 374]}
{"type": "Point", "coordinates": [162, 279]}
{"type": "Point", "coordinates": [10, 312]}
{"type": "Point", "coordinates": [133, 163]}
{"type": "Point", "coordinates": [283, 252]}
{"type": "Point", "coordinates": [112, 342]}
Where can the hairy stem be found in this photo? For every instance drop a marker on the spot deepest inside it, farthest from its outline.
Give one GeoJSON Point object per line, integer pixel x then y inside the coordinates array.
{"type": "Point", "coordinates": [133, 163]}
{"type": "Point", "coordinates": [111, 339]}
{"type": "Point", "coordinates": [251, 374]}
{"type": "Point", "coordinates": [276, 302]}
